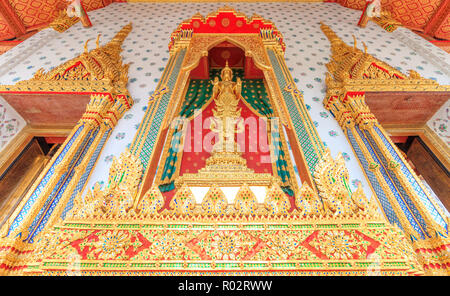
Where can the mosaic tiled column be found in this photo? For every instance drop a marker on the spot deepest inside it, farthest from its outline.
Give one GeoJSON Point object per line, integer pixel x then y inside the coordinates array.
{"type": "Point", "coordinates": [150, 129]}
{"type": "Point", "coordinates": [31, 215]}
{"type": "Point", "coordinates": [424, 216]}
{"type": "Point", "coordinates": [303, 126]}
{"type": "Point", "coordinates": [404, 181]}
{"type": "Point", "coordinates": [391, 202]}
{"type": "Point", "coordinates": [380, 159]}
{"type": "Point", "coordinates": [111, 113]}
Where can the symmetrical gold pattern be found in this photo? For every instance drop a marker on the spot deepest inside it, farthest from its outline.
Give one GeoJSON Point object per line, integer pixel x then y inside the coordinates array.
{"type": "Point", "coordinates": [97, 71]}
{"type": "Point", "coordinates": [101, 74]}
{"type": "Point", "coordinates": [225, 166]}
{"type": "Point", "coordinates": [184, 240]}
{"type": "Point", "coordinates": [63, 22]}
{"type": "Point", "coordinates": [352, 73]}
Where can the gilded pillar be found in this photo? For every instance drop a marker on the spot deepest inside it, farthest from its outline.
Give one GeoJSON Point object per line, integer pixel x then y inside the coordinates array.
{"type": "Point", "coordinates": [351, 121]}
{"type": "Point", "coordinates": [404, 200]}
{"type": "Point", "coordinates": [151, 130]}
{"type": "Point", "coordinates": [101, 74]}
{"type": "Point", "coordinates": [108, 109]}
{"type": "Point", "coordinates": [404, 180]}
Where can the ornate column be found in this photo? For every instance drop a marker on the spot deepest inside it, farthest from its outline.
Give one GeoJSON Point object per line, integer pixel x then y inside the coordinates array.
{"type": "Point", "coordinates": [100, 74]}
{"type": "Point", "coordinates": [150, 137]}
{"type": "Point", "coordinates": [56, 170]}
{"type": "Point", "coordinates": [306, 134]}
{"type": "Point", "coordinates": [102, 114]}
{"type": "Point", "coordinates": [403, 198]}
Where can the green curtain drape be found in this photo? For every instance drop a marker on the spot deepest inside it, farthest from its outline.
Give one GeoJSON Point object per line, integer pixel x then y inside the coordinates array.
{"type": "Point", "coordinates": [198, 93]}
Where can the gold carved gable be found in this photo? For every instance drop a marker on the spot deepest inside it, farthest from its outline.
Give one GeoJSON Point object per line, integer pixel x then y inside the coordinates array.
{"type": "Point", "coordinates": [250, 43]}
{"type": "Point", "coordinates": [352, 69]}
{"type": "Point", "coordinates": [97, 70]}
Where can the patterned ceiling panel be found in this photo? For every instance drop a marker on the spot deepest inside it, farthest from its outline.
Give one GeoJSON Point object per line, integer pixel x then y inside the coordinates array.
{"type": "Point", "coordinates": [5, 30]}
{"type": "Point", "coordinates": [412, 13]}
{"type": "Point", "coordinates": [36, 12]}
{"type": "Point", "coordinates": [443, 31]}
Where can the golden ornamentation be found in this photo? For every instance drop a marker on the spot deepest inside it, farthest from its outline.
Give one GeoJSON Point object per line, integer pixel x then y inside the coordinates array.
{"type": "Point", "coordinates": [201, 43]}
{"type": "Point", "coordinates": [183, 202]}
{"type": "Point", "coordinates": [276, 201]}
{"type": "Point", "coordinates": [63, 22]}
{"type": "Point", "coordinates": [353, 70]}
{"type": "Point", "coordinates": [183, 35]}
{"type": "Point", "coordinates": [214, 202]}
{"type": "Point", "coordinates": [308, 202]}
{"type": "Point", "coordinates": [245, 202]}
{"type": "Point", "coordinates": [151, 202]}
{"type": "Point", "coordinates": [97, 71]}
{"type": "Point", "coordinates": [332, 181]}
{"type": "Point", "coordinates": [351, 74]}
{"type": "Point", "coordinates": [386, 21]}
{"type": "Point", "coordinates": [186, 236]}
{"type": "Point", "coordinates": [226, 166]}
{"type": "Point", "coordinates": [285, 245]}
{"type": "Point", "coordinates": [226, 95]}
{"type": "Point", "coordinates": [108, 234]}
{"type": "Point", "coordinates": [118, 198]}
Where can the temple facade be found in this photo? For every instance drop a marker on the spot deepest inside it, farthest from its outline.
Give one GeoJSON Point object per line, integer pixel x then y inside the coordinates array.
{"type": "Point", "coordinates": [200, 139]}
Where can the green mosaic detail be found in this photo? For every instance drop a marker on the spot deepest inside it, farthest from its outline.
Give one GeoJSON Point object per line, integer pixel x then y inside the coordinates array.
{"type": "Point", "coordinates": [155, 125]}
{"type": "Point", "coordinates": [305, 141]}
{"type": "Point", "coordinates": [198, 94]}
{"type": "Point", "coordinates": [153, 107]}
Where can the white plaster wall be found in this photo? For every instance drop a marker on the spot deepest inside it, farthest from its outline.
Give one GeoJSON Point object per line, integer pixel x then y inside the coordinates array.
{"type": "Point", "coordinates": [440, 123]}
{"type": "Point", "coordinates": [307, 52]}
{"type": "Point", "coordinates": [11, 123]}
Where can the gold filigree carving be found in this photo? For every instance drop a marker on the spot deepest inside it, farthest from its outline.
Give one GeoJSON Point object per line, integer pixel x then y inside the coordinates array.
{"type": "Point", "coordinates": [183, 202]}
{"type": "Point", "coordinates": [151, 203]}
{"type": "Point", "coordinates": [308, 202]}
{"type": "Point", "coordinates": [226, 166]}
{"type": "Point", "coordinates": [276, 201]}
{"type": "Point", "coordinates": [245, 202]}
{"type": "Point", "coordinates": [331, 178]}
{"type": "Point", "coordinates": [63, 22]}
{"type": "Point", "coordinates": [97, 71]}
{"type": "Point", "coordinates": [386, 21]}
{"type": "Point", "coordinates": [214, 202]}
{"type": "Point", "coordinates": [354, 70]}
{"type": "Point", "coordinates": [118, 198]}
{"type": "Point", "coordinates": [201, 43]}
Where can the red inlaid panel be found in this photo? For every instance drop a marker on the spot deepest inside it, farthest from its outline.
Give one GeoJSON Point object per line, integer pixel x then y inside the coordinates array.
{"type": "Point", "coordinates": [415, 14]}
{"type": "Point", "coordinates": [255, 148]}
{"type": "Point", "coordinates": [228, 22]}
{"type": "Point", "coordinates": [34, 14]}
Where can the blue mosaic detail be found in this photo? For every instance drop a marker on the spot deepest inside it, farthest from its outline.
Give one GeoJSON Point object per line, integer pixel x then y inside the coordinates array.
{"type": "Point", "coordinates": [305, 142]}
{"type": "Point", "coordinates": [148, 114]}
{"type": "Point", "coordinates": [155, 125]}
{"type": "Point", "coordinates": [391, 185]}
{"type": "Point", "coordinates": [26, 208]}
{"type": "Point", "coordinates": [384, 201]}
{"type": "Point", "coordinates": [398, 185]}
{"type": "Point", "coordinates": [53, 199]}
{"type": "Point", "coordinates": [417, 188]}
{"type": "Point", "coordinates": [85, 175]}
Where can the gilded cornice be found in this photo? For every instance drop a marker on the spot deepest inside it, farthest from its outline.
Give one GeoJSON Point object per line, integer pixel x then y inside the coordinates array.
{"type": "Point", "coordinates": [354, 70]}
{"type": "Point", "coordinates": [63, 22]}
{"type": "Point", "coordinates": [114, 215]}
{"type": "Point", "coordinates": [231, 22]}
{"type": "Point", "coordinates": [96, 71]}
